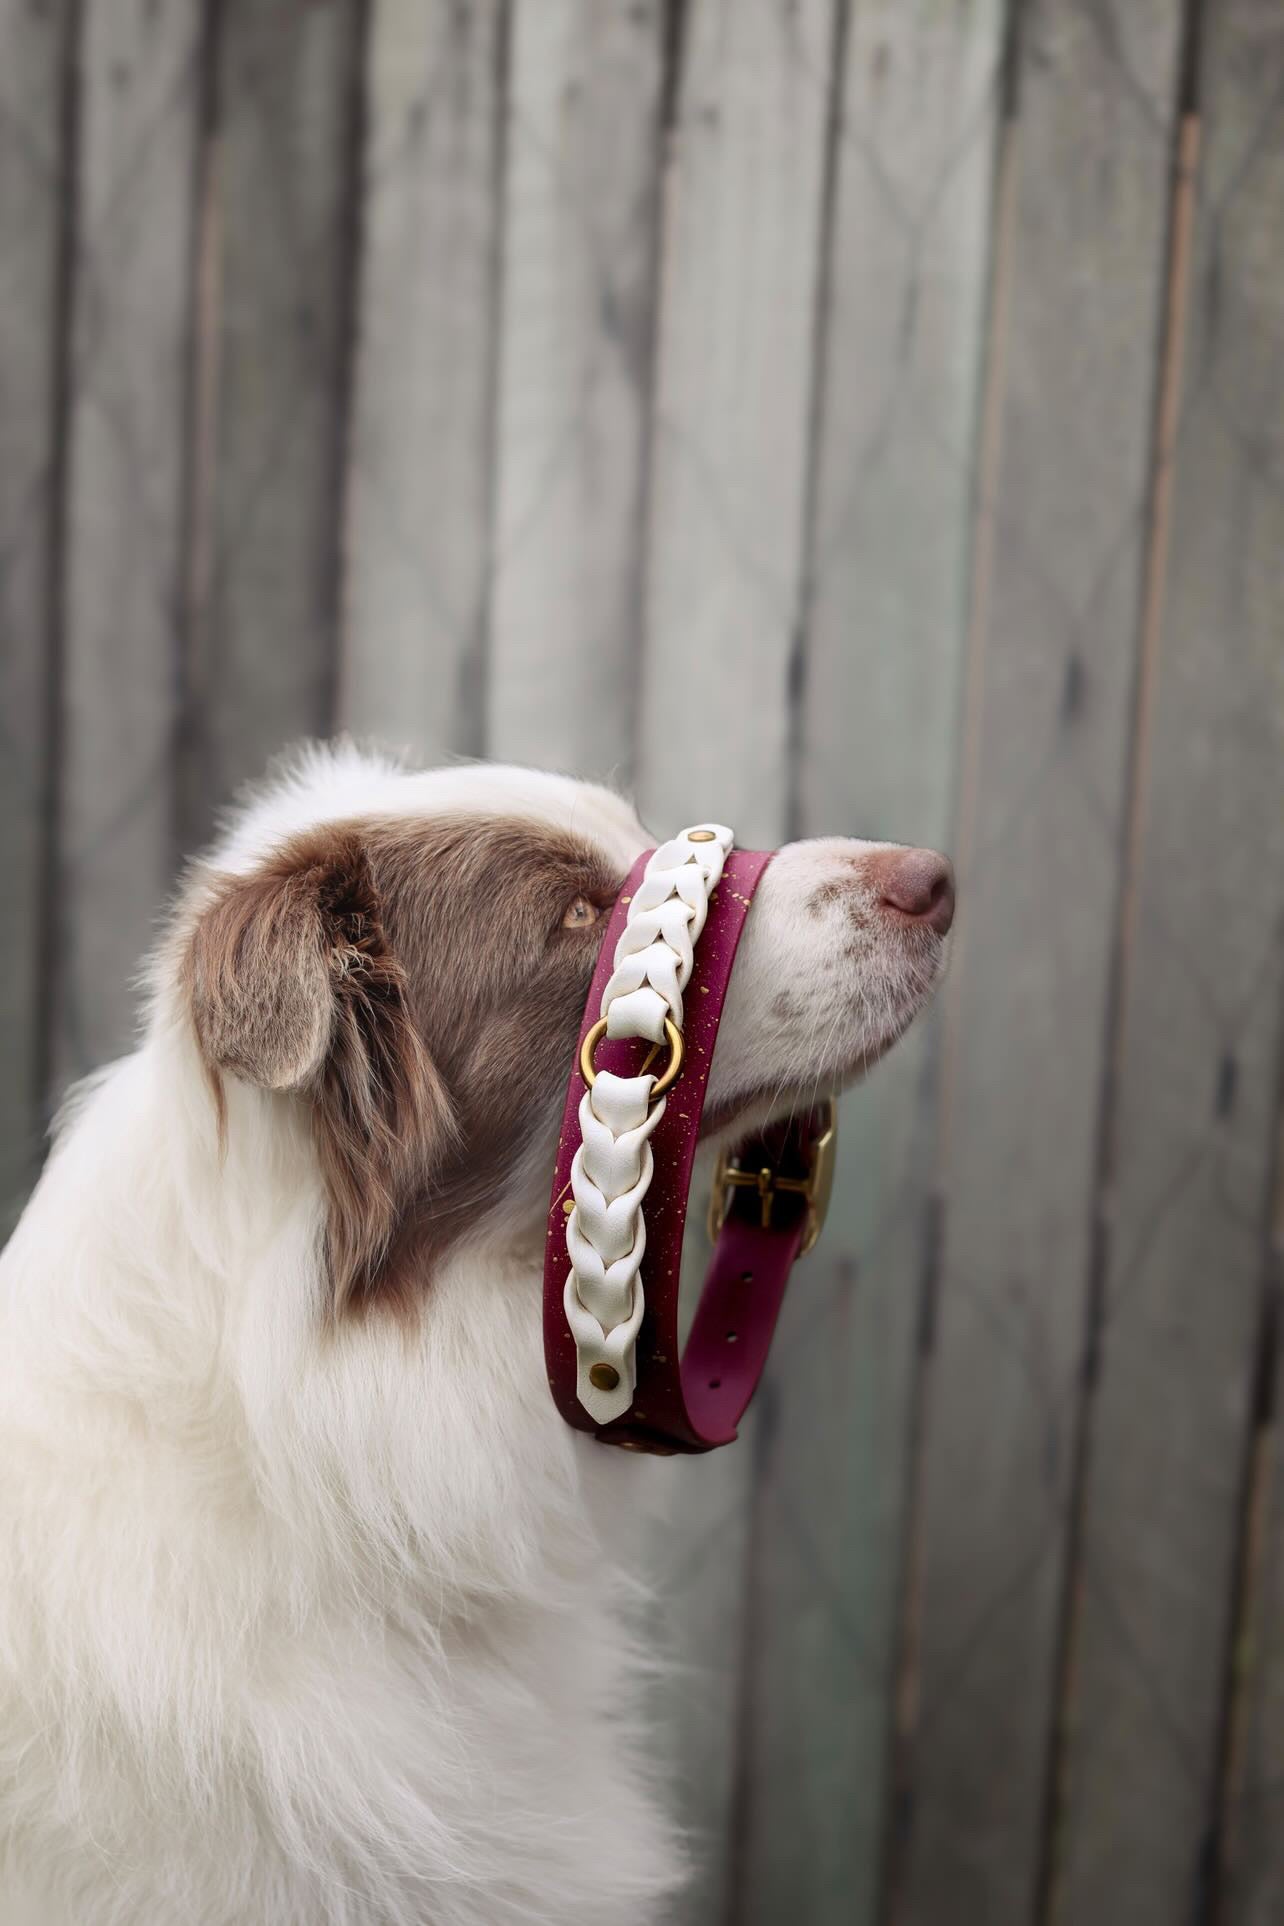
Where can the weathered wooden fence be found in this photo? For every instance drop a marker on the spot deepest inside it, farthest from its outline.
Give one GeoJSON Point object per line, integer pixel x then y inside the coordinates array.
{"type": "Point", "coordinates": [905, 380]}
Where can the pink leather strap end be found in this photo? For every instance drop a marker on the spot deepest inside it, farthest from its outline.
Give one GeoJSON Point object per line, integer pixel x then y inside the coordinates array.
{"type": "Point", "coordinates": [694, 1405]}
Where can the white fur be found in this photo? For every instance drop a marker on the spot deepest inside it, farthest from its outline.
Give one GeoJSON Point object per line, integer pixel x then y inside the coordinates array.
{"type": "Point", "coordinates": [302, 1626]}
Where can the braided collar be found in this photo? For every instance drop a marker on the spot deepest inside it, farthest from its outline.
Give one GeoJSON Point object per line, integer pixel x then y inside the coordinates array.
{"type": "Point", "coordinates": [625, 1155]}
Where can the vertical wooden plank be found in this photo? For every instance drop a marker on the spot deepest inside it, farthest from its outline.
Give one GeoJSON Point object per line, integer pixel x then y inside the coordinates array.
{"type": "Point", "coordinates": [276, 278]}
{"type": "Point", "coordinates": [419, 489]}
{"type": "Point", "coordinates": [1042, 812]}
{"type": "Point", "coordinates": [582, 172]}
{"type": "Point", "coordinates": [742, 222]}
{"type": "Point", "coordinates": [32, 182]}
{"type": "Point", "coordinates": [1197, 1083]}
{"type": "Point", "coordinates": [906, 312]}
{"type": "Point", "coordinates": [738, 288]}
{"type": "Point", "coordinates": [139, 97]}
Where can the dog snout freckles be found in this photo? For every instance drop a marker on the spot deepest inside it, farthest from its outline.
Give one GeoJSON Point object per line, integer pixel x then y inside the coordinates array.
{"type": "Point", "coordinates": [844, 946]}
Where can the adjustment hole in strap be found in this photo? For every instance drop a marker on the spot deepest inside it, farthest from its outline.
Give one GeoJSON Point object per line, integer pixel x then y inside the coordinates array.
{"type": "Point", "coordinates": [714, 1383]}
{"type": "Point", "coordinates": [731, 1337]}
{"type": "Point", "coordinates": [746, 1277]}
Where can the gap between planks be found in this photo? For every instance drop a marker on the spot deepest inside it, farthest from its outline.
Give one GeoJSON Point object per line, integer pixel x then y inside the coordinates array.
{"type": "Point", "coordinates": [200, 414]}
{"type": "Point", "coordinates": [1243, 1627]}
{"type": "Point", "coordinates": [475, 670]}
{"type": "Point", "coordinates": [351, 265]}
{"type": "Point", "coordinates": [673, 43]}
{"type": "Point", "coordinates": [48, 936]}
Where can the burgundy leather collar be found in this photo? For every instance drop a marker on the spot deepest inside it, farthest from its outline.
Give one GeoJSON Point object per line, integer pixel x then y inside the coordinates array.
{"type": "Point", "coordinates": [768, 1208]}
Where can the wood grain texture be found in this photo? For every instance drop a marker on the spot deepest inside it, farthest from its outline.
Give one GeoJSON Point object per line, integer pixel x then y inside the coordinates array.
{"type": "Point", "coordinates": [738, 281]}
{"type": "Point", "coordinates": [31, 208]}
{"type": "Point", "coordinates": [1042, 814]}
{"type": "Point", "coordinates": [139, 96]}
{"type": "Point", "coordinates": [275, 268]}
{"type": "Point", "coordinates": [741, 237]}
{"type": "Point", "coordinates": [907, 290]}
{"type": "Point", "coordinates": [421, 472]}
{"type": "Point", "coordinates": [574, 382]}
{"type": "Point", "coordinates": [1197, 1084]}
{"type": "Point", "coordinates": [568, 382]}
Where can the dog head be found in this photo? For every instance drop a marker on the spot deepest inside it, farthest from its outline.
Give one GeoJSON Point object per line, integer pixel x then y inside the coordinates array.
{"type": "Point", "coordinates": [407, 956]}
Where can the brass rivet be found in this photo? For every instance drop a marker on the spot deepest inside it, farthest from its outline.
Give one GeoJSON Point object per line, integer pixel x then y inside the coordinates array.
{"type": "Point", "coordinates": [569, 1205]}
{"type": "Point", "coordinates": [604, 1377]}
{"type": "Point", "coordinates": [700, 836]}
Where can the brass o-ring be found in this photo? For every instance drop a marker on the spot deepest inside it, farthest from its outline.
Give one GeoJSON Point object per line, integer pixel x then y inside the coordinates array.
{"type": "Point", "coordinates": [668, 1076]}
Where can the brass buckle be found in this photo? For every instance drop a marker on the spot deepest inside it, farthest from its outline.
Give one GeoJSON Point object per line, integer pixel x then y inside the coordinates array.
{"type": "Point", "coordinates": [815, 1188]}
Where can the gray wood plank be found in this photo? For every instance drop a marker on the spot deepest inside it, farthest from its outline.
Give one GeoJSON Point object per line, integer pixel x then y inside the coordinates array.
{"type": "Point", "coordinates": [420, 481]}
{"type": "Point", "coordinates": [1197, 1086]}
{"type": "Point", "coordinates": [578, 276]}
{"type": "Point", "coordinates": [274, 285]}
{"type": "Point", "coordinates": [741, 234]}
{"type": "Point", "coordinates": [740, 256]}
{"type": "Point", "coordinates": [1042, 805]}
{"type": "Point", "coordinates": [31, 185]}
{"type": "Point", "coordinates": [139, 97]}
{"type": "Point", "coordinates": [904, 337]}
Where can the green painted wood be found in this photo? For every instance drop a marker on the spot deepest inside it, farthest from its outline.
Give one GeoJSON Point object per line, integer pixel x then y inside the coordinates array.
{"type": "Point", "coordinates": [31, 189]}
{"type": "Point", "coordinates": [734, 376]}
{"type": "Point", "coordinates": [574, 382]}
{"type": "Point", "coordinates": [1043, 812]}
{"type": "Point", "coordinates": [1197, 1085]}
{"type": "Point", "coordinates": [275, 269]}
{"type": "Point", "coordinates": [139, 96]}
{"type": "Point", "coordinates": [904, 327]}
{"type": "Point", "coordinates": [420, 456]}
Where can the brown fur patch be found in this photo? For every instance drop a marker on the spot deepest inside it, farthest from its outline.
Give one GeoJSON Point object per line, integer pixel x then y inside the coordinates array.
{"type": "Point", "coordinates": [826, 893]}
{"type": "Point", "coordinates": [474, 909]}
{"type": "Point", "coordinates": [415, 979]}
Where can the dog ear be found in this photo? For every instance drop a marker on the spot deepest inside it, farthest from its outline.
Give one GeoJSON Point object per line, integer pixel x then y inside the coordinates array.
{"type": "Point", "coordinates": [293, 986]}
{"type": "Point", "coordinates": [260, 977]}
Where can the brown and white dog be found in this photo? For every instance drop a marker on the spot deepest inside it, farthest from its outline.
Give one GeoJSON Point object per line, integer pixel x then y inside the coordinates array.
{"type": "Point", "coordinates": [311, 1607]}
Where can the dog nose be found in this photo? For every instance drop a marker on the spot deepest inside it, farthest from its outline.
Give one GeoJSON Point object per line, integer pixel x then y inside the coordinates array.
{"type": "Point", "coordinates": [918, 883]}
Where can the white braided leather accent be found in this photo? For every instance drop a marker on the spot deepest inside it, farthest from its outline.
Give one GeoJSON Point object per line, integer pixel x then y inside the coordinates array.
{"type": "Point", "coordinates": [611, 1170]}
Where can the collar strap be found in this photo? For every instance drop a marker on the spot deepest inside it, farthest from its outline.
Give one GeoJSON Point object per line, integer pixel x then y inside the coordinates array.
{"type": "Point", "coordinates": [624, 1165]}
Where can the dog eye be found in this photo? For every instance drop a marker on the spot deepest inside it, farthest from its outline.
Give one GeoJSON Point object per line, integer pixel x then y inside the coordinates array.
{"type": "Point", "coordinates": [580, 914]}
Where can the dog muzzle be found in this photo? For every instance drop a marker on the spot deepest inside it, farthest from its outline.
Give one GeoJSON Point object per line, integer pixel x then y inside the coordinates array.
{"type": "Point", "coordinates": [625, 1158]}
